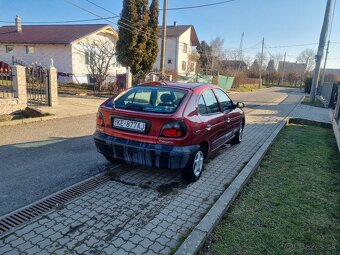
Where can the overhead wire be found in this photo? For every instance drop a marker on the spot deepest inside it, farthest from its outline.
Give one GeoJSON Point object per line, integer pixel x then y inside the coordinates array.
{"type": "Point", "coordinates": [57, 22]}
{"type": "Point", "coordinates": [121, 25]}
{"type": "Point", "coordinates": [198, 6]}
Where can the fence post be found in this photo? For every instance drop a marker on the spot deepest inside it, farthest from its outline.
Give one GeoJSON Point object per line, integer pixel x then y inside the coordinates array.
{"type": "Point", "coordinates": [52, 86]}
{"type": "Point", "coordinates": [19, 85]}
{"type": "Point", "coordinates": [128, 78]}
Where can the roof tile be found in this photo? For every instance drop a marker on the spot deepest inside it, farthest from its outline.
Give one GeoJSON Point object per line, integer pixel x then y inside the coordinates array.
{"type": "Point", "coordinates": [47, 34]}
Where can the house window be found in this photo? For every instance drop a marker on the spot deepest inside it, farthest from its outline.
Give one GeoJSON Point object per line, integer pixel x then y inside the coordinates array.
{"type": "Point", "coordinates": [9, 48]}
{"type": "Point", "coordinates": [185, 48]}
{"type": "Point", "coordinates": [184, 66]}
{"type": "Point", "coordinates": [29, 49]}
{"type": "Point", "coordinates": [192, 66]}
{"type": "Point", "coordinates": [169, 61]}
{"type": "Point", "coordinates": [89, 57]}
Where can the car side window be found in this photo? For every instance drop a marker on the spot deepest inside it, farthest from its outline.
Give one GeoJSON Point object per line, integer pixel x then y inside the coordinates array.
{"type": "Point", "coordinates": [210, 101]}
{"type": "Point", "coordinates": [202, 109]}
{"type": "Point", "coordinates": [225, 101]}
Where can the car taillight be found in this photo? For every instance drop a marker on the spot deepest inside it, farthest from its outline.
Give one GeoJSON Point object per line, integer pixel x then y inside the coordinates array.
{"type": "Point", "coordinates": [174, 129]}
{"type": "Point", "coordinates": [100, 119]}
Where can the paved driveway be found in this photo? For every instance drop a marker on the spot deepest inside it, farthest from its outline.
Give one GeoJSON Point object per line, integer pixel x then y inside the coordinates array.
{"type": "Point", "coordinates": [146, 210]}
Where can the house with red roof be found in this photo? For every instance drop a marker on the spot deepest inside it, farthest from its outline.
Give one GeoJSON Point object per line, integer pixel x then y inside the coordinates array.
{"type": "Point", "coordinates": [180, 54]}
{"type": "Point", "coordinates": [61, 43]}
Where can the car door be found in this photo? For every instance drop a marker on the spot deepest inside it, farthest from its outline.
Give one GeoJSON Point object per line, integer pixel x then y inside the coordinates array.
{"type": "Point", "coordinates": [232, 115]}
{"type": "Point", "coordinates": [213, 118]}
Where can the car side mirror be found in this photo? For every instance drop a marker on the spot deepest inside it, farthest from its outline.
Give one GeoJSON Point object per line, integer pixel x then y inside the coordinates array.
{"type": "Point", "coordinates": [240, 105]}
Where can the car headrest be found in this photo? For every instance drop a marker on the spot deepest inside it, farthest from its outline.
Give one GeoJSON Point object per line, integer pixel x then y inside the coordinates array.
{"type": "Point", "coordinates": [167, 98]}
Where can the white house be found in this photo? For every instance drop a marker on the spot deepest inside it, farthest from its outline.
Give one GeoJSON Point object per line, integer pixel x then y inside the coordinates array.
{"type": "Point", "coordinates": [181, 43]}
{"type": "Point", "coordinates": [62, 43]}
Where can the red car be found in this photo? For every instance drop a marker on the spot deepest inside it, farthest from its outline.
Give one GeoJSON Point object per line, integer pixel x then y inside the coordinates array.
{"type": "Point", "coordinates": [168, 125]}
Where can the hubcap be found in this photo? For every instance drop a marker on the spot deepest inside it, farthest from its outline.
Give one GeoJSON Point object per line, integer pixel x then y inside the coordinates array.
{"type": "Point", "coordinates": [198, 163]}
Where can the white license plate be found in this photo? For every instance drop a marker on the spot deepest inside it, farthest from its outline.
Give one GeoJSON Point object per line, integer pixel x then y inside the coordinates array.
{"type": "Point", "coordinates": [129, 124]}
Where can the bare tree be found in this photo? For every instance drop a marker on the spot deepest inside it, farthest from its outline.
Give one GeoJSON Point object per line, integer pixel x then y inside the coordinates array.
{"type": "Point", "coordinates": [98, 56]}
{"type": "Point", "coordinates": [307, 57]}
{"type": "Point", "coordinates": [262, 59]}
{"type": "Point", "coordinates": [232, 54]}
{"type": "Point", "coordinates": [217, 53]}
{"type": "Point", "coordinates": [277, 58]}
{"type": "Point", "coordinates": [193, 61]}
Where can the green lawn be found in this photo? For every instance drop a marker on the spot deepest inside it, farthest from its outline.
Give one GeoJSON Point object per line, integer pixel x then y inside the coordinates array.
{"type": "Point", "coordinates": [317, 102]}
{"type": "Point", "coordinates": [291, 204]}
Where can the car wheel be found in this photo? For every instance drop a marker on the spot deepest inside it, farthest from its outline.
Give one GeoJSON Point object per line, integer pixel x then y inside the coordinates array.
{"type": "Point", "coordinates": [195, 167]}
{"type": "Point", "coordinates": [238, 137]}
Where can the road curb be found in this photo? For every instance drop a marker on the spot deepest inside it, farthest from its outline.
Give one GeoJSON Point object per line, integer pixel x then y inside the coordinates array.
{"type": "Point", "coordinates": [26, 121]}
{"type": "Point", "coordinates": [194, 242]}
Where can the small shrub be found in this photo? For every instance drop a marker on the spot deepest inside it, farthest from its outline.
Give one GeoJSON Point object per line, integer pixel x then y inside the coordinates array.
{"type": "Point", "coordinates": [308, 84]}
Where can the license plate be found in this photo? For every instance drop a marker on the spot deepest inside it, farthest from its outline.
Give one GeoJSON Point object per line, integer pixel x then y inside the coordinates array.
{"type": "Point", "coordinates": [129, 124]}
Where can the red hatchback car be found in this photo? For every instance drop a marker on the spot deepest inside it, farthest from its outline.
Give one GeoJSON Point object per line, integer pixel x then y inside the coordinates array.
{"type": "Point", "coordinates": [168, 125]}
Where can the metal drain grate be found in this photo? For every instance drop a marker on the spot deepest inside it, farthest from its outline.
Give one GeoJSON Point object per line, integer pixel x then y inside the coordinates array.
{"type": "Point", "coordinates": [19, 217]}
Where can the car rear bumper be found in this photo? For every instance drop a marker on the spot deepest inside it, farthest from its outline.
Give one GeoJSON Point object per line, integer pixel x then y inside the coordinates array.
{"type": "Point", "coordinates": [147, 154]}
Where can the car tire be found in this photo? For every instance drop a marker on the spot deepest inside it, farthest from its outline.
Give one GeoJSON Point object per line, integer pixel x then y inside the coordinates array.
{"type": "Point", "coordinates": [195, 167]}
{"type": "Point", "coordinates": [238, 136]}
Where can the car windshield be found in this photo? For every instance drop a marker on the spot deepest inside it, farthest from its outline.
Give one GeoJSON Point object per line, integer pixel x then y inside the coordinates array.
{"type": "Point", "coordinates": [151, 99]}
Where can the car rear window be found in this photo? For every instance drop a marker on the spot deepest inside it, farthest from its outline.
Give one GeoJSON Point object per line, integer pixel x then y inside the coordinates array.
{"type": "Point", "coordinates": [151, 99]}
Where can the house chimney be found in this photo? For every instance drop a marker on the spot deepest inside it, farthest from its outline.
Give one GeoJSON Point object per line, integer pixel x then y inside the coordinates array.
{"type": "Point", "coordinates": [18, 23]}
{"type": "Point", "coordinates": [175, 23]}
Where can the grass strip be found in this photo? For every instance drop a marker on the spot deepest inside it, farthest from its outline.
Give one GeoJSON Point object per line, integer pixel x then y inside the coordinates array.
{"type": "Point", "coordinates": [291, 205]}
{"type": "Point", "coordinates": [317, 102]}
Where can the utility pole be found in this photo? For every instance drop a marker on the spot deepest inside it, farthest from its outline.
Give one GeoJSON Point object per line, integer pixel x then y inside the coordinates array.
{"type": "Point", "coordinates": [162, 64]}
{"type": "Point", "coordinates": [241, 47]}
{"type": "Point", "coordinates": [261, 62]}
{"type": "Point", "coordinates": [319, 54]}
{"type": "Point", "coordinates": [283, 68]}
{"type": "Point", "coordinates": [324, 65]}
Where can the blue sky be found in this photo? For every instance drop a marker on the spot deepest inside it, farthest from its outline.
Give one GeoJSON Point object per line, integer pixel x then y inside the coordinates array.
{"type": "Point", "coordinates": [280, 22]}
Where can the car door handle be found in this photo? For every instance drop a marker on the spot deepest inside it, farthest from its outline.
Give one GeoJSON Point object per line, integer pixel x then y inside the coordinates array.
{"type": "Point", "coordinates": [208, 127]}
{"type": "Point", "coordinates": [228, 120]}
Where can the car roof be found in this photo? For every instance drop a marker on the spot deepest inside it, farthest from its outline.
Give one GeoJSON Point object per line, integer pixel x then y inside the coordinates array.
{"type": "Point", "coordinates": [181, 85]}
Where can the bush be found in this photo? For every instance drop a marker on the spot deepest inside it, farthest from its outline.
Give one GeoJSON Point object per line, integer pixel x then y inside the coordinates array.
{"type": "Point", "coordinates": [308, 84]}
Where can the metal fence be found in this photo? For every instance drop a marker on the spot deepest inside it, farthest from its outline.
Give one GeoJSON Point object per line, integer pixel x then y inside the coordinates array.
{"type": "Point", "coordinates": [6, 84]}
{"type": "Point", "coordinates": [38, 89]}
{"type": "Point", "coordinates": [327, 92]}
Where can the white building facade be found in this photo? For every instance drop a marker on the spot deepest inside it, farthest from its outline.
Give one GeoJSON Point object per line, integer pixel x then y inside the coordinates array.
{"type": "Point", "coordinates": [180, 54]}
{"type": "Point", "coordinates": [60, 45]}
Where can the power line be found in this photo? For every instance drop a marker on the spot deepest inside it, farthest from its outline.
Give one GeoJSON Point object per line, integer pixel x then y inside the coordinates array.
{"type": "Point", "coordinates": [121, 25]}
{"type": "Point", "coordinates": [198, 6]}
{"type": "Point", "coordinates": [57, 22]}
{"type": "Point", "coordinates": [293, 45]}
{"type": "Point", "coordinates": [102, 8]}
{"type": "Point", "coordinates": [116, 15]}
{"type": "Point", "coordinates": [128, 25]}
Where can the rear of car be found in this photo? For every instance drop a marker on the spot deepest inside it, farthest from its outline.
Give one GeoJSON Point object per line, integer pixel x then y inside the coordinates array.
{"type": "Point", "coordinates": [145, 125]}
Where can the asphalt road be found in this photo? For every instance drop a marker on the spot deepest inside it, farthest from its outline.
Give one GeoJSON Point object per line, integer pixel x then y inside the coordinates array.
{"type": "Point", "coordinates": [41, 158]}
